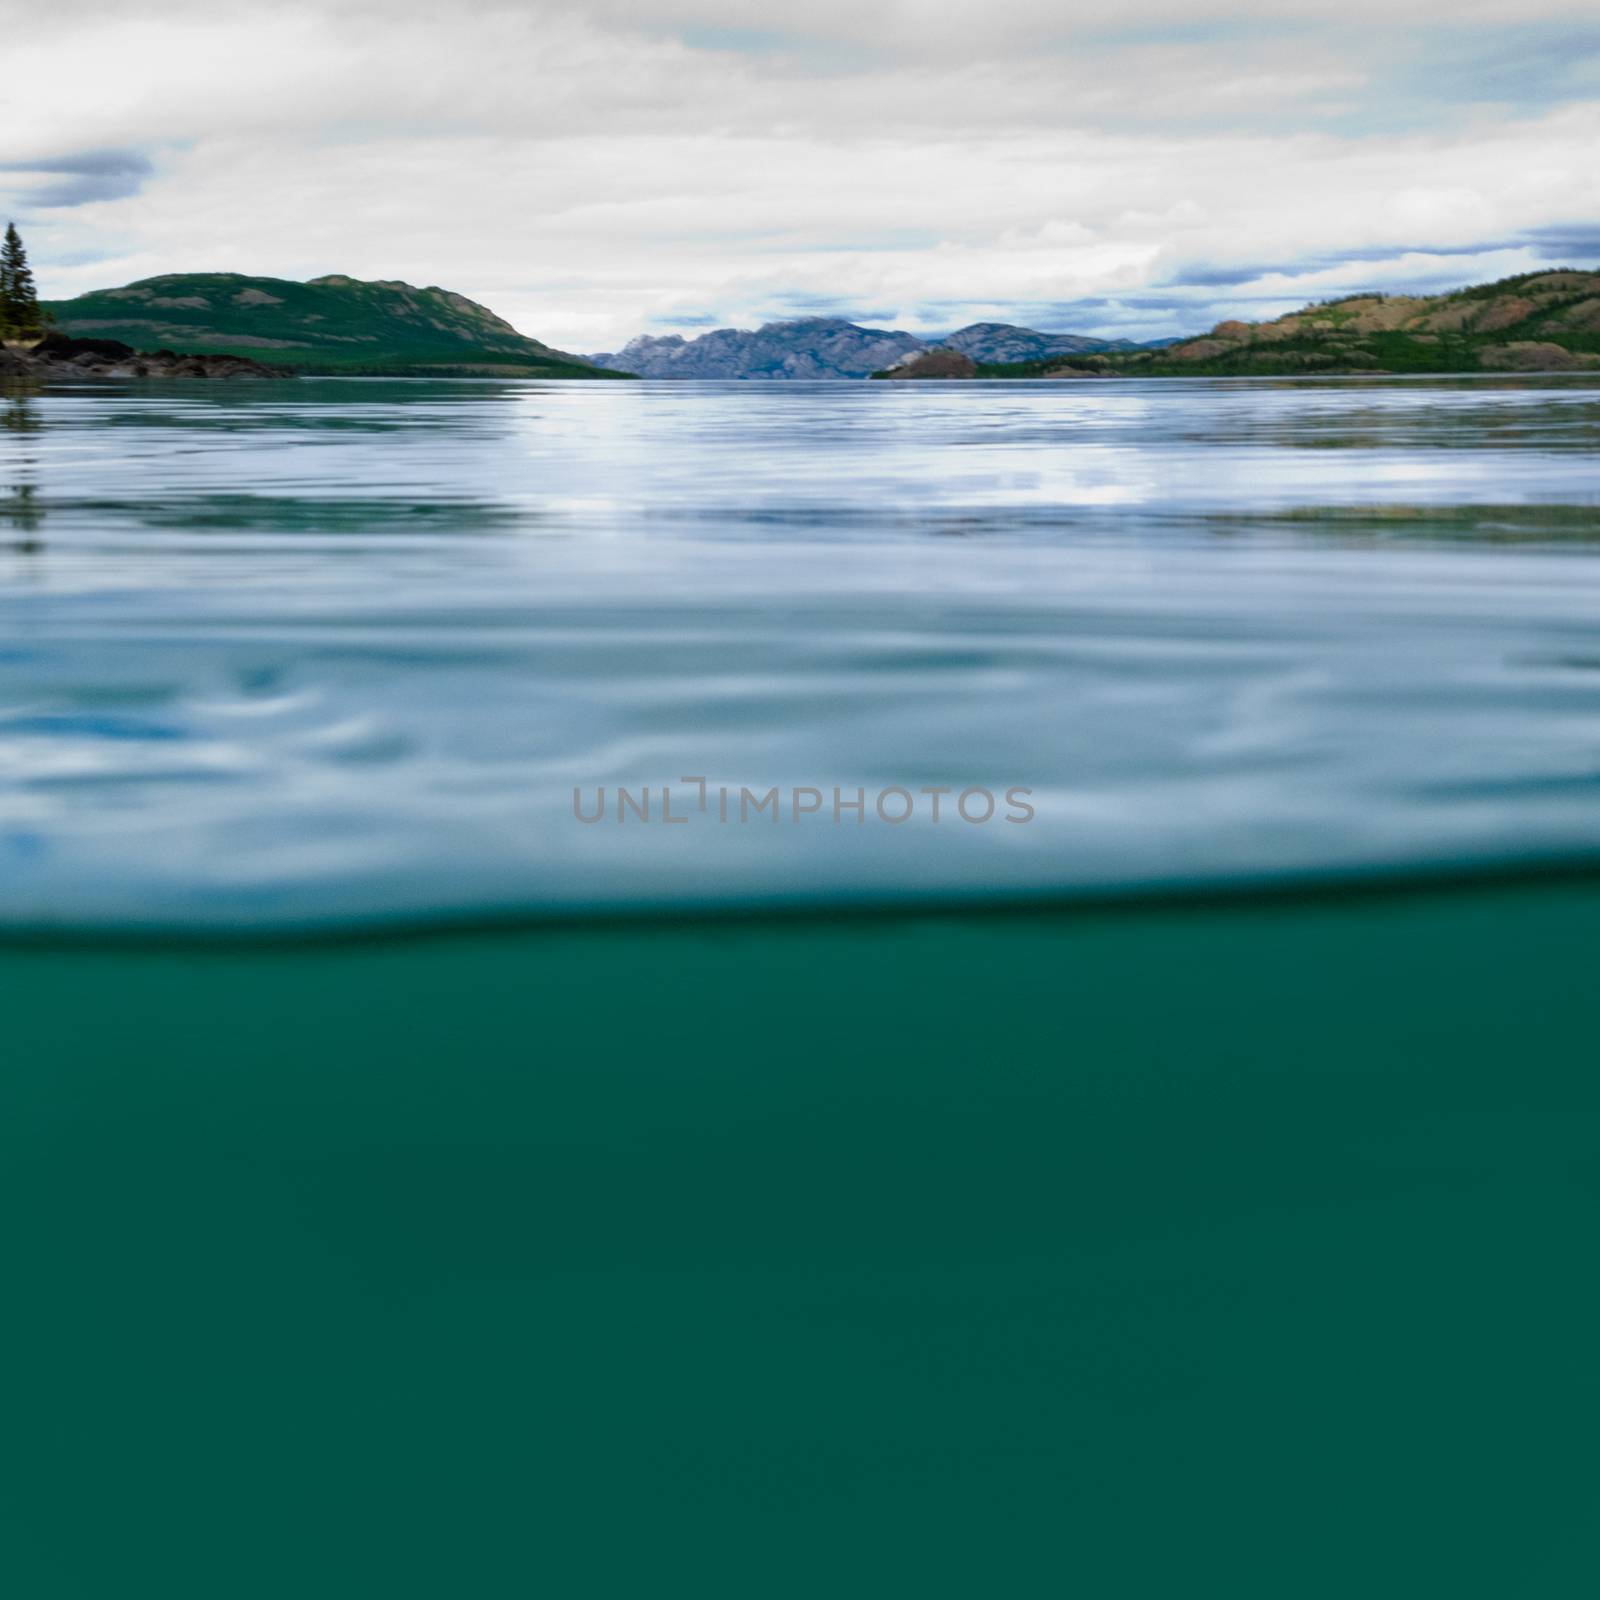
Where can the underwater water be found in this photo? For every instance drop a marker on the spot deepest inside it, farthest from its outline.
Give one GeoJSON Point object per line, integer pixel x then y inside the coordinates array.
{"type": "Point", "coordinates": [414, 1189]}
{"type": "Point", "coordinates": [1231, 1248]}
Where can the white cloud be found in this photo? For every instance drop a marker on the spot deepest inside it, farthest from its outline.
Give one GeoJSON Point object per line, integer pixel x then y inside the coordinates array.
{"type": "Point", "coordinates": [592, 174]}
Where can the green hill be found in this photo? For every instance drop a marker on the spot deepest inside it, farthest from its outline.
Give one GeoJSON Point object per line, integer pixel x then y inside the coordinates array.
{"type": "Point", "coordinates": [1537, 322]}
{"type": "Point", "coordinates": [329, 325]}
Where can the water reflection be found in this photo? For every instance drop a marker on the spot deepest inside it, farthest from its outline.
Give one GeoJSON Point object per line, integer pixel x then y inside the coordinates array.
{"type": "Point", "coordinates": [20, 509]}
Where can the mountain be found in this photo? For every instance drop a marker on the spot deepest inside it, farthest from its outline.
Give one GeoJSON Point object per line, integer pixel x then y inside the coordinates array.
{"type": "Point", "coordinates": [830, 347]}
{"type": "Point", "coordinates": [1536, 322]}
{"type": "Point", "coordinates": [810, 347]}
{"type": "Point", "coordinates": [1001, 341]}
{"type": "Point", "coordinates": [333, 324]}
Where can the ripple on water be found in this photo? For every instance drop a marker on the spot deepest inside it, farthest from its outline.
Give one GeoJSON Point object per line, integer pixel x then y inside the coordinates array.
{"type": "Point", "coordinates": [344, 649]}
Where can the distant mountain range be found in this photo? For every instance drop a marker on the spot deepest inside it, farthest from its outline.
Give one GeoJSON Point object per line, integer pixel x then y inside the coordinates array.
{"type": "Point", "coordinates": [338, 324]}
{"type": "Point", "coordinates": [1538, 321]}
{"type": "Point", "coordinates": [330, 325]}
{"type": "Point", "coordinates": [830, 347]}
{"type": "Point", "coordinates": [1535, 322]}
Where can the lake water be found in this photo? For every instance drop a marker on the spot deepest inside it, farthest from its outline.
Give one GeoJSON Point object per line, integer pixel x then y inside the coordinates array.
{"type": "Point", "coordinates": [340, 652]}
{"type": "Point", "coordinates": [1017, 1209]}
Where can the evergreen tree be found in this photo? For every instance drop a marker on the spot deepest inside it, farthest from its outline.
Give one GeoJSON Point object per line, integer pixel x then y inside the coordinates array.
{"type": "Point", "coordinates": [19, 299]}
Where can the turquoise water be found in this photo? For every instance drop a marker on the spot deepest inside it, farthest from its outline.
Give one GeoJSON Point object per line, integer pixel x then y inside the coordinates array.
{"type": "Point", "coordinates": [412, 1190]}
{"type": "Point", "coordinates": [335, 652]}
{"type": "Point", "coordinates": [1231, 1248]}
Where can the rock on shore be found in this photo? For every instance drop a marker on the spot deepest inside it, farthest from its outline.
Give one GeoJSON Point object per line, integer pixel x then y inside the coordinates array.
{"type": "Point", "coordinates": [58, 358]}
{"type": "Point", "coordinates": [933, 364]}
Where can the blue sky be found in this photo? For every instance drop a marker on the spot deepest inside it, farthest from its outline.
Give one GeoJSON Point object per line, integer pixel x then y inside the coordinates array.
{"type": "Point", "coordinates": [1125, 167]}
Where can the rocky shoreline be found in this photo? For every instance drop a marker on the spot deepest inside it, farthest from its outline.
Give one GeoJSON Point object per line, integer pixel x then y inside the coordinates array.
{"type": "Point", "coordinates": [932, 364]}
{"type": "Point", "coordinates": [58, 358]}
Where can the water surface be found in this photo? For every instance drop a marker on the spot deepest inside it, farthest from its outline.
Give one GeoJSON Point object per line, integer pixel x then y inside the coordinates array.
{"type": "Point", "coordinates": [330, 652]}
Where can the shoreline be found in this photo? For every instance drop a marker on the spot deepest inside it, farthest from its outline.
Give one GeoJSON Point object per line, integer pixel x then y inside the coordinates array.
{"type": "Point", "coordinates": [57, 356]}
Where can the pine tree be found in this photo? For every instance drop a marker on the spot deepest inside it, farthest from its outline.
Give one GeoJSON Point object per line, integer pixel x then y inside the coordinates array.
{"type": "Point", "coordinates": [19, 299]}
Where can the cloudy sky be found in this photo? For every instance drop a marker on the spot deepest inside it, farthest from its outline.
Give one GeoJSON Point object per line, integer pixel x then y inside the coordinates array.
{"type": "Point", "coordinates": [1132, 167]}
